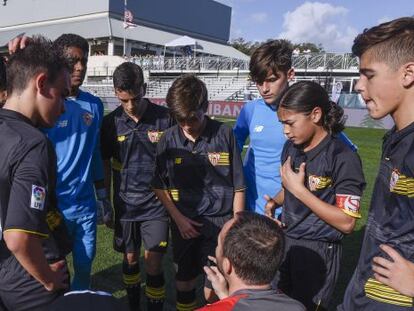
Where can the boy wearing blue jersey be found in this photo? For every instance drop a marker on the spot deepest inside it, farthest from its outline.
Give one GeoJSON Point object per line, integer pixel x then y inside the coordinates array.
{"type": "Point", "coordinates": [76, 140]}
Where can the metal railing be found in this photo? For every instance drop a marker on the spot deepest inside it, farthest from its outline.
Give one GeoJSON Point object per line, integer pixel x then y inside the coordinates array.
{"type": "Point", "coordinates": [311, 61]}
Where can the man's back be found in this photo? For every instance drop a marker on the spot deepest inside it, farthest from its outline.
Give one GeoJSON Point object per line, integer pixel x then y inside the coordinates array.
{"type": "Point", "coordinates": [263, 300]}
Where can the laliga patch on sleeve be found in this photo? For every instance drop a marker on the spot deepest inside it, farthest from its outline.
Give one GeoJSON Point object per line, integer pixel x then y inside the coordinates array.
{"type": "Point", "coordinates": [349, 204]}
{"type": "Point", "coordinates": [38, 197]}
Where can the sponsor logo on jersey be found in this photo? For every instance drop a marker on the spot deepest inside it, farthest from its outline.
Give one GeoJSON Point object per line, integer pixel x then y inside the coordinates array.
{"type": "Point", "coordinates": [38, 197]}
{"type": "Point", "coordinates": [349, 203]}
{"type": "Point", "coordinates": [318, 182]}
{"type": "Point", "coordinates": [87, 118]}
{"type": "Point", "coordinates": [178, 160]}
{"type": "Point", "coordinates": [154, 136]}
{"type": "Point", "coordinates": [62, 123]}
{"type": "Point", "coordinates": [258, 128]}
{"type": "Point", "coordinates": [121, 138]}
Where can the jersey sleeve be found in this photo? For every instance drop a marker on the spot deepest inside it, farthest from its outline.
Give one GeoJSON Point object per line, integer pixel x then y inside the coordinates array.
{"type": "Point", "coordinates": [349, 183]}
{"type": "Point", "coordinates": [241, 128]}
{"type": "Point", "coordinates": [237, 165]}
{"type": "Point", "coordinates": [160, 177]}
{"type": "Point", "coordinates": [27, 208]}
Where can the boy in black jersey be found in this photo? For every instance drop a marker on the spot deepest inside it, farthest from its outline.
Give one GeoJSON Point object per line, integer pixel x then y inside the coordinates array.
{"type": "Point", "coordinates": [386, 84]}
{"type": "Point", "coordinates": [199, 180]}
{"type": "Point", "coordinates": [129, 137]}
{"type": "Point", "coordinates": [32, 249]}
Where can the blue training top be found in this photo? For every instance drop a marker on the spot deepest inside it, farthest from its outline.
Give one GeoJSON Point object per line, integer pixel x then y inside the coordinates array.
{"type": "Point", "coordinates": [262, 161]}
{"type": "Point", "coordinates": [76, 140]}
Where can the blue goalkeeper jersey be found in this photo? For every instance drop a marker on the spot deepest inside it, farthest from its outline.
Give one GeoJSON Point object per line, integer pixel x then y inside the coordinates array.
{"type": "Point", "coordinates": [76, 140]}
{"type": "Point", "coordinates": [262, 160]}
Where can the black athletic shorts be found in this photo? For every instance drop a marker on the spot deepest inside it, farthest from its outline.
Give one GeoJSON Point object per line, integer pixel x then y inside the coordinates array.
{"type": "Point", "coordinates": [154, 234]}
{"type": "Point", "coordinates": [19, 291]}
{"type": "Point", "coordinates": [190, 255]}
{"type": "Point", "coordinates": [309, 271]}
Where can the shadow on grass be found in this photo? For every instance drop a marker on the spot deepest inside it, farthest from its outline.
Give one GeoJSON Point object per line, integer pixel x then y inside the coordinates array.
{"type": "Point", "coordinates": [350, 255]}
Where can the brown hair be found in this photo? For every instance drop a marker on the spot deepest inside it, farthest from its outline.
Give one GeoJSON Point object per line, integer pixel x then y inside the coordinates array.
{"type": "Point", "coordinates": [187, 95]}
{"type": "Point", "coordinates": [391, 42]}
{"type": "Point", "coordinates": [254, 245]}
{"type": "Point", "coordinates": [275, 55]}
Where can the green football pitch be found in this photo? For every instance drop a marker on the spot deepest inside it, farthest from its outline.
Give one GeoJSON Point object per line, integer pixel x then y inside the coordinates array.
{"type": "Point", "coordinates": [107, 274]}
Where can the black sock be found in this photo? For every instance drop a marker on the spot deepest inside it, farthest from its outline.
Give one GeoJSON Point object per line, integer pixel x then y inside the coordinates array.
{"type": "Point", "coordinates": [155, 292]}
{"type": "Point", "coordinates": [132, 282]}
{"type": "Point", "coordinates": [186, 301]}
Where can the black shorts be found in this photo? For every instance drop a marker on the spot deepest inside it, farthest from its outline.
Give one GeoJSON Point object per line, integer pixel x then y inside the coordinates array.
{"type": "Point", "coordinates": [154, 233]}
{"type": "Point", "coordinates": [309, 271]}
{"type": "Point", "coordinates": [190, 255]}
{"type": "Point", "coordinates": [20, 291]}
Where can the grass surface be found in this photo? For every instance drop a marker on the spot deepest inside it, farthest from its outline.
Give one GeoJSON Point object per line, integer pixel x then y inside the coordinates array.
{"type": "Point", "coordinates": [107, 272]}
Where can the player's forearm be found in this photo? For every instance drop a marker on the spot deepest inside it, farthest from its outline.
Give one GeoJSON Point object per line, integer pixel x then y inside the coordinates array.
{"type": "Point", "coordinates": [27, 249]}
{"type": "Point", "coordinates": [238, 202]}
{"type": "Point", "coordinates": [168, 203]}
{"type": "Point", "coordinates": [331, 214]}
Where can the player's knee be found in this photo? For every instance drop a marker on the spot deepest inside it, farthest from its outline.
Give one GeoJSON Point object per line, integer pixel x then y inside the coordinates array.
{"type": "Point", "coordinates": [131, 258]}
{"type": "Point", "coordinates": [153, 263]}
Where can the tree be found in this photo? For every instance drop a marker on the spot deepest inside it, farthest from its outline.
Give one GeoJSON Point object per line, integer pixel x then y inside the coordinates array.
{"type": "Point", "coordinates": [313, 48]}
{"type": "Point", "coordinates": [248, 47]}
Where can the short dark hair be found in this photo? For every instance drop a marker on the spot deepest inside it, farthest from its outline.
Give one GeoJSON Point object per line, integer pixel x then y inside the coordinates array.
{"type": "Point", "coordinates": [391, 42]}
{"type": "Point", "coordinates": [3, 79]}
{"type": "Point", "coordinates": [304, 96]}
{"type": "Point", "coordinates": [68, 40]}
{"type": "Point", "coordinates": [37, 57]}
{"type": "Point", "coordinates": [275, 55]}
{"type": "Point", "coordinates": [128, 77]}
{"type": "Point", "coordinates": [187, 95]}
{"type": "Point", "coordinates": [254, 245]}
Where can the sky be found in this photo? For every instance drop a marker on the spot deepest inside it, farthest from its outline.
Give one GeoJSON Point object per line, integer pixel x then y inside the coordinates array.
{"type": "Point", "coordinates": [332, 23]}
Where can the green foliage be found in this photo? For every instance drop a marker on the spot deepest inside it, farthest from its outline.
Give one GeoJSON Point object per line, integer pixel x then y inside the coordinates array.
{"type": "Point", "coordinates": [248, 47]}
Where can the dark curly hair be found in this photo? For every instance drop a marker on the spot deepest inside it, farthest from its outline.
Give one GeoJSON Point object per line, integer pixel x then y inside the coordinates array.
{"type": "Point", "coordinates": [304, 96]}
{"type": "Point", "coordinates": [275, 55]}
{"type": "Point", "coordinates": [391, 42]}
{"type": "Point", "coordinates": [71, 40]}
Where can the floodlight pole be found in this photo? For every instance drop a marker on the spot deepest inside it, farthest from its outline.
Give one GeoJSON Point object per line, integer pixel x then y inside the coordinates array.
{"type": "Point", "coordinates": [125, 29]}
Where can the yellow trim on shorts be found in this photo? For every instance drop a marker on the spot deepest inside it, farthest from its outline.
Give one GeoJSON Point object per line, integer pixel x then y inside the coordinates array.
{"type": "Point", "coordinates": [42, 235]}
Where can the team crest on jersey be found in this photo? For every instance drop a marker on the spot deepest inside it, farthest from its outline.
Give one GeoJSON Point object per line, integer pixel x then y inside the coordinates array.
{"type": "Point", "coordinates": [395, 176]}
{"type": "Point", "coordinates": [87, 118]}
{"type": "Point", "coordinates": [38, 197]}
{"type": "Point", "coordinates": [214, 158]}
{"type": "Point", "coordinates": [154, 136]}
{"type": "Point", "coordinates": [318, 182]}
